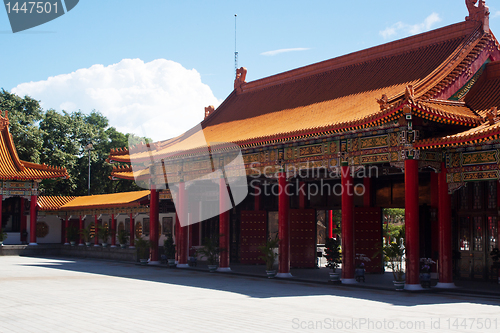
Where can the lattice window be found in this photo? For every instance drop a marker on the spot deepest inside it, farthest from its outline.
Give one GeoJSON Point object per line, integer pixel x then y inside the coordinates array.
{"type": "Point", "coordinates": [145, 227]}
{"type": "Point", "coordinates": [464, 234]}
{"type": "Point", "coordinates": [478, 234]}
{"type": "Point", "coordinates": [138, 230]}
{"type": "Point", "coordinates": [492, 233]}
{"type": "Point", "coordinates": [492, 194]}
{"type": "Point", "coordinates": [464, 198]}
{"type": "Point", "coordinates": [477, 198]}
{"type": "Point", "coordinates": [121, 227]}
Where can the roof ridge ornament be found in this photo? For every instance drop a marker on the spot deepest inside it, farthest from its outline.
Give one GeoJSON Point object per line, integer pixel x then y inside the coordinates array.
{"type": "Point", "coordinates": [410, 93]}
{"type": "Point", "coordinates": [479, 13]}
{"type": "Point", "coordinates": [492, 116]}
{"type": "Point", "coordinates": [209, 110]}
{"type": "Point", "coordinates": [241, 74]}
{"type": "Point", "coordinates": [383, 102]}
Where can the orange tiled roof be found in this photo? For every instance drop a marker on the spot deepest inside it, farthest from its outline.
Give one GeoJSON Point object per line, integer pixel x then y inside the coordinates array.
{"type": "Point", "coordinates": [483, 96]}
{"type": "Point", "coordinates": [53, 202]}
{"type": "Point", "coordinates": [12, 168]}
{"type": "Point", "coordinates": [106, 200]}
{"type": "Point", "coordinates": [335, 95]}
{"type": "Point", "coordinates": [126, 172]}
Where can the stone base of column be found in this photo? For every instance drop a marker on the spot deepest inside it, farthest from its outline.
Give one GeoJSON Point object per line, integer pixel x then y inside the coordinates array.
{"type": "Point", "coordinates": [66, 243]}
{"type": "Point", "coordinates": [413, 287]}
{"type": "Point", "coordinates": [444, 285]}
{"type": "Point", "coordinates": [349, 281]}
{"type": "Point", "coordinates": [154, 263]}
{"type": "Point", "coordinates": [182, 266]}
{"type": "Point", "coordinates": [131, 247]}
{"type": "Point", "coordinates": [81, 244]}
{"type": "Point", "coordinates": [224, 269]}
{"type": "Point", "coordinates": [96, 245]}
{"type": "Point", "coordinates": [284, 275]}
{"type": "Point", "coordinates": [33, 244]}
{"type": "Point", "coordinates": [113, 246]}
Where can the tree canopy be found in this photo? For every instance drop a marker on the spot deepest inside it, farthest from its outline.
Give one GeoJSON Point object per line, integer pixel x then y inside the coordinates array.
{"type": "Point", "coordinates": [59, 139]}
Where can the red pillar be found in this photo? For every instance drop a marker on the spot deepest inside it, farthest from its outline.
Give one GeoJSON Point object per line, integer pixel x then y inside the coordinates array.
{"type": "Point", "coordinates": [330, 224]}
{"type": "Point", "coordinates": [347, 226]}
{"type": "Point", "coordinates": [367, 197]}
{"type": "Point", "coordinates": [66, 226]}
{"type": "Point", "coordinates": [96, 228]}
{"type": "Point", "coordinates": [81, 227]}
{"type": "Point", "coordinates": [113, 231]}
{"type": "Point", "coordinates": [132, 231]}
{"type": "Point", "coordinates": [283, 227]}
{"type": "Point", "coordinates": [182, 231]}
{"type": "Point", "coordinates": [153, 223]}
{"type": "Point", "coordinates": [412, 226]}
{"type": "Point", "coordinates": [1, 201]}
{"type": "Point", "coordinates": [444, 222]}
{"type": "Point", "coordinates": [302, 195]}
{"type": "Point", "coordinates": [223, 227]}
{"type": "Point", "coordinates": [177, 230]}
{"type": "Point", "coordinates": [33, 217]}
{"type": "Point", "coordinates": [435, 224]}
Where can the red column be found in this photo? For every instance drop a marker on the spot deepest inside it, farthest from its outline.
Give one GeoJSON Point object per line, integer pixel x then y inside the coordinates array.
{"type": "Point", "coordinates": [330, 223]}
{"type": "Point", "coordinates": [223, 227]}
{"type": "Point", "coordinates": [33, 217]}
{"type": "Point", "coordinates": [367, 197]}
{"type": "Point", "coordinates": [1, 201]}
{"type": "Point", "coordinates": [153, 224]}
{"type": "Point", "coordinates": [412, 226]}
{"type": "Point", "coordinates": [96, 228]}
{"type": "Point", "coordinates": [113, 231]}
{"type": "Point", "coordinates": [182, 231]}
{"type": "Point", "coordinates": [80, 226]}
{"type": "Point", "coordinates": [132, 231]}
{"type": "Point", "coordinates": [283, 227]}
{"type": "Point", "coordinates": [302, 195]}
{"type": "Point", "coordinates": [177, 230]}
{"type": "Point", "coordinates": [444, 221]}
{"type": "Point", "coordinates": [66, 226]}
{"type": "Point", "coordinates": [347, 226]}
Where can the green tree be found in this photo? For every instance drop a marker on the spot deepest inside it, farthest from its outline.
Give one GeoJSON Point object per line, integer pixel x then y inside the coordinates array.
{"type": "Point", "coordinates": [24, 115]}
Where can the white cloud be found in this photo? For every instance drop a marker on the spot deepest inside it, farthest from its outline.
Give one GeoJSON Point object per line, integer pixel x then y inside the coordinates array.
{"type": "Point", "coordinates": [410, 29]}
{"type": "Point", "coordinates": [275, 52]}
{"type": "Point", "coordinates": [161, 96]}
{"type": "Point", "coordinates": [496, 14]}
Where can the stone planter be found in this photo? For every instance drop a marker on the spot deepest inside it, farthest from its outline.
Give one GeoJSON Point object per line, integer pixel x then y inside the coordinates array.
{"type": "Point", "coordinates": [359, 274]}
{"type": "Point", "coordinates": [72, 243]}
{"type": "Point", "coordinates": [143, 261]}
{"type": "Point", "coordinates": [123, 246]}
{"type": "Point", "coordinates": [271, 274]}
{"type": "Point", "coordinates": [425, 280]}
{"type": "Point", "coordinates": [212, 268]}
{"type": "Point", "coordinates": [88, 244]}
{"type": "Point", "coordinates": [334, 277]}
{"type": "Point", "coordinates": [399, 285]}
{"type": "Point", "coordinates": [171, 262]}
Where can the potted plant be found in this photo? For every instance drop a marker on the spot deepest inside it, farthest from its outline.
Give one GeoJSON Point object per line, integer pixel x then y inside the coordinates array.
{"type": "Point", "coordinates": [142, 247]}
{"type": "Point", "coordinates": [333, 257]}
{"type": "Point", "coordinates": [269, 255]}
{"type": "Point", "coordinates": [103, 234]}
{"type": "Point", "coordinates": [169, 248]}
{"type": "Point", "coordinates": [425, 272]}
{"type": "Point", "coordinates": [211, 251]}
{"type": "Point", "coordinates": [123, 238]}
{"type": "Point", "coordinates": [85, 233]}
{"type": "Point", "coordinates": [3, 236]}
{"type": "Point", "coordinates": [359, 271]}
{"type": "Point", "coordinates": [394, 256]}
{"type": "Point", "coordinates": [72, 234]}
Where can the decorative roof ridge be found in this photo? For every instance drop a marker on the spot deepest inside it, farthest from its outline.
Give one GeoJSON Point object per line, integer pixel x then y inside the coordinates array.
{"type": "Point", "coordinates": [397, 47]}
{"type": "Point", "coordinates": [10, 144]}
{"type": "Point", "coordinates": [443, 101]}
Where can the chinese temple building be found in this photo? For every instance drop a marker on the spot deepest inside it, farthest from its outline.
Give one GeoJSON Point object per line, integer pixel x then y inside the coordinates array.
{"type": "Point", "coordinates": [410, 124]}
{"type": "Point", "coordinates": [19, 189]}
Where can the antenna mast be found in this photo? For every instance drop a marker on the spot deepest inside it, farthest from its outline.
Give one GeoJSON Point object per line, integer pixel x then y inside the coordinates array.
{"type": "Point", "coordinates": [235, 52]}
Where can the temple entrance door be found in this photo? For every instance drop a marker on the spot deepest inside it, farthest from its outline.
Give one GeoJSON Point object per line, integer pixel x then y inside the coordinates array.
{"type": "Point", "coordinates": [253, 233]}
{"type": "Point", "coordinates": [302, 238]}
{"type": "Point", "coordinates": [477, 235]}
{"type": "Point", "coordinates": [368, 236]}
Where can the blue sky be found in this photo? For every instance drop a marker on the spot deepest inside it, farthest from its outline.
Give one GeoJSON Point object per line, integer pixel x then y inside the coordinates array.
{"type": "Point", "coordinates": [197, 39]}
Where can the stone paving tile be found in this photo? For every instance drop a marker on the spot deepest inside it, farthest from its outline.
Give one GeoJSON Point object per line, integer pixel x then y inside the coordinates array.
{"type": "Point", "coordinates": [56, 295]}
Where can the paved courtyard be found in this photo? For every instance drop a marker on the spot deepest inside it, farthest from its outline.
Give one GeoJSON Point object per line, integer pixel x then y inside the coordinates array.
{"type": "Point", "coordinates": [57, 295]}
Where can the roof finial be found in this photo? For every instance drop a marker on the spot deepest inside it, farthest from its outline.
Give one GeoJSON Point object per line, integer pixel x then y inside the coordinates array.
{"type": "Point", "coordinates": [481, 13]}
{"type": "Point", "coordinates": [241, 74]}
{"type": "Point", "coordinates": [209, 110]}
{"type": "Point", "coordinates": [383, 102]}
